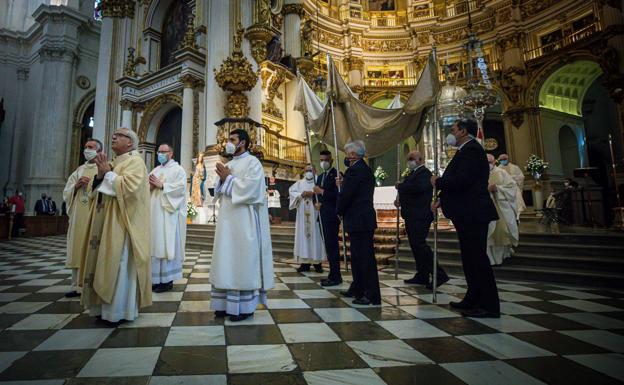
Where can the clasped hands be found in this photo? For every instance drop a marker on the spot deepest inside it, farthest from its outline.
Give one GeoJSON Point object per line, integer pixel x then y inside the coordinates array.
{"type": "Point", "coordinates": [222, 172]}
{"type": "Point", "coordinates": [155, 182]}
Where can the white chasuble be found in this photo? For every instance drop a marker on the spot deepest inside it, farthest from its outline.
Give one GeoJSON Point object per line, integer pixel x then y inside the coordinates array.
{"type": "Point", "coordinates": [309, 246]}
{"type": "Point", "coordinates": [503, 233]}
{"type": "Point", "coordinates": [518, 176]}
{"type": "Point", "coordinates": [168, 208]}
{"type": "Point", "coordinates": [78, 208]}
{"type": "Point", "coordinates": [242, 256]}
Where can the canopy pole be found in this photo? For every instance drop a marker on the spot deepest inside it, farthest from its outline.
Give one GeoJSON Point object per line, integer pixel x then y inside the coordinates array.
{"type": "Point", "coordinates": [330, 100]}
{"type": "Point", "coordinates": [434, 280]}
{"type": "Point", "coordinates": [397, 241]}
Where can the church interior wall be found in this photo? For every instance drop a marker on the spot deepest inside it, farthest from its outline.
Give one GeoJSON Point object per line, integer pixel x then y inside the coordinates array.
{"type": "Point", "coordinates": [552, 122]}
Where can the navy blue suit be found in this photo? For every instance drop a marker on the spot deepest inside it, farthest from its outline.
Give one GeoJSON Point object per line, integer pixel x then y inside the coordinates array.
{"type": "Point", "coordinates": [415, 194]}
{"type": "Point", "coordinates": [355, 205]}
{"type": "Point", "coordinates": [465, 200]}
{"type": "Point", "coordinates": [330, 221]}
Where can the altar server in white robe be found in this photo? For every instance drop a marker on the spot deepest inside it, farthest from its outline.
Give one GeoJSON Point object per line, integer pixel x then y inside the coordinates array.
{"type": "Point", "coordinates": [309, 248]}
{"type": "Point", "coordinates": [76, 197]}
{"type": "Point", "coordinates": [242, 256]}
{"type": "Point", "coordinates": [116, 273]}
{"type": "Point", "coordinates": [503, 233]}
{"type": "Point", "coordinates": [518, 176]}
{"type": "Point", "coordinates": [168, 205]}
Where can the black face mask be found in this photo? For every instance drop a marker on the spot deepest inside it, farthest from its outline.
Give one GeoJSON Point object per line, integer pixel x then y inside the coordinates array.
{"type": "Point", "coordinates": [347, 162]}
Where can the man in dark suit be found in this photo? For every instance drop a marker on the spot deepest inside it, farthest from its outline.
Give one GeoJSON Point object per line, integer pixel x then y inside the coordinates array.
{"type": "Point", "coordinates": [327, 194]}
{"type": "Point", "coordinates": [465, 200]}
{"type": "Point", "coordinates": [41, 206]}
{"type": "Point", "coordinates": [51, 206]}
{"type": "Point", "coordinates": [355, 205]}
{"type": "Point", "coordinates": [414, 199]}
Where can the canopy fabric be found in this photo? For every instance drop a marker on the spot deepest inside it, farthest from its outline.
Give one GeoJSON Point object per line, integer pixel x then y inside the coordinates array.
{"type": "Point", "coordinates": [379, 128]}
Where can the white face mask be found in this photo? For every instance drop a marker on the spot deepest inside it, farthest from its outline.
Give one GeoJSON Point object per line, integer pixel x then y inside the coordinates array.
{"type": "Point", "coordinates": [89, 154]}
{"type": "Point", "coordinates": [451, 140]}
{"type": "Point", "coordinates": [230, 148]}
{"type": "Point", "coordinates": [411, 164]}
{"type": "Point", "coordinates": [309, 175]}
{"type": "Point", "coordinates": [325, 165]}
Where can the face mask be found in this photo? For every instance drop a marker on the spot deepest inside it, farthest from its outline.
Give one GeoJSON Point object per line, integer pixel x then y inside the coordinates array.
{"type": "Point", "coordinates": [89, 154]}
{"type": "Point", "coordinates": [451, 140]}
{"type": "Point", "coordinates": [162, 158]}
{"type": "Point", "coordinates": [309, 175]}
{"type": "Point", "coordinates": [411, 164]}
{"type": "Point", "coordinates": [325, 165]}
{"type": "Point", "coordinates": [347, 162]}
{"type": "Point", "coordinates": [566, 184]}
{"type": "Point", "coordinates": [230, 148]}
{"type": "Point", "coordinates": [504, 162]}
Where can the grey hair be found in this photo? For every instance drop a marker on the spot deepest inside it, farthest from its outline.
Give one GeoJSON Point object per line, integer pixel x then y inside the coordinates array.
{"type": "Point", "coordinates": [133, 136]}
{"type": "Point", "coordinates": [98, 144]}
{"type": "Point", "coordinates": [356, 146]}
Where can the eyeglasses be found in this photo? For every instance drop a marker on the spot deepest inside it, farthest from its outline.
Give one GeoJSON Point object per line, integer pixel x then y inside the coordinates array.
{"type": "Point", "coordinates": [120, 134]}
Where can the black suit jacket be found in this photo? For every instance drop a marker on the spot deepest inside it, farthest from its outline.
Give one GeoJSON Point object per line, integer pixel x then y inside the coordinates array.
{"type": "Point", "coordinates": [463, 188]}
{"type": "Point", "coordinates": [327, 181]}
{"type": "Point", "coordinates": [355, 200]}
{"type": "Point", "coordinates": [39, 207]}
{"type": "Point", "coordinates": [415, 195]}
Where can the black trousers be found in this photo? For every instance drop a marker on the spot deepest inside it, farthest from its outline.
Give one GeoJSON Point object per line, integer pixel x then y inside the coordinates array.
{"type": "Point", "coordinates": [330, 237]}
{"type": "Point", "coordinates": [364, 266]}
{"type": "Point", "coordinates": [417, 231]}
{"type": "Point", "coordinates": [18, 223]}
{"type": "Point", "coordinates": [482, 292]}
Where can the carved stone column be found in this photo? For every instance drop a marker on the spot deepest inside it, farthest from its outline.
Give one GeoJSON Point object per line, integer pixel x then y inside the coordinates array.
{"type": "Point", "coordinates": [186, 143]}
{"type": "Point", "coordinates": [126, 114]}
{"type": "Point", "coordinates": [293, 12]}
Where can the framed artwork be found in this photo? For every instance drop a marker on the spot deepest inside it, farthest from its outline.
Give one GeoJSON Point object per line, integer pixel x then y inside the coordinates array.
{"type": "Point", "coordinates": [381, 5]}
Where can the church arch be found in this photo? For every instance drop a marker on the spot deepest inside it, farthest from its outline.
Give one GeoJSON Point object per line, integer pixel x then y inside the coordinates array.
{"type": "Point", "coordinates": [154, 113]}
{"type": "Point", "coordinates": [81, 127]}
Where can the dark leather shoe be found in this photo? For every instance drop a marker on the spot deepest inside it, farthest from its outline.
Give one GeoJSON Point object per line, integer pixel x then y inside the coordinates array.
{"type": "Point", "coordinates": [303, 267]}
{"type": "Point", "coordinates": [460, 305]}
{"type": "Point", "coordinates": [72, 294]}
{"type": "Point", "coordinates": [347, 294]}
{"type": "Point", "coordinates": [329, 282]}
{"type": "Point", "coordinates": [318, 268]}
{"type": "Point", "coordinates": [417, 280]}
{"type": "Point", "coordinates": [441, 282]}
{"type": "Point", "coordinates": [479, 313]}
{"type": "Point", "coordinates": [220, 314]}
{"type": "Point", "coordinates": [240, 317]}
{"type": "Point", "coordinates": [365, 301]}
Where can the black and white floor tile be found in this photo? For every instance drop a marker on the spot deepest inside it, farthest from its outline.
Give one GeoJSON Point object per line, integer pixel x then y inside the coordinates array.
{"type": "Point", "coordinates": [549, 334]}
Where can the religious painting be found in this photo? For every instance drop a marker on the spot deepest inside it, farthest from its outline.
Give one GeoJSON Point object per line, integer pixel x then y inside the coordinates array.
{"type": "Point", "coordinates": [173, 31]}
{"type": "Point", "coordinates": [381, 5]}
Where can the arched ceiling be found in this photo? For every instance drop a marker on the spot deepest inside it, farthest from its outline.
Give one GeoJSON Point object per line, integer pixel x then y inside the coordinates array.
{"type": "Point", "coordinates": [565, 89]}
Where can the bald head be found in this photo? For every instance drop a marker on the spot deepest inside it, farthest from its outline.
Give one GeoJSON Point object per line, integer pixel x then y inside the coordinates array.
{"type": "Point", "coordinates": [415, 156]}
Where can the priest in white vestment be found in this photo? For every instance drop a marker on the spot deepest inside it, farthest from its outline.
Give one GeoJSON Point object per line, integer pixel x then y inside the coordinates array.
{"type": "Point", "coordinates": [503, 233]}
{"type": "Point", "coordinates": [76, 196]}
{"type": "Point", "coordinates": [116, 274]}
{"type": "Point", "coordinates": [309, 248]}
{"type": "Point", "coordinates": [242, 256]}
{"type": "Point", "coordinates": [518, 176]}
{"type": "Point", "coordinates": [168, 207]}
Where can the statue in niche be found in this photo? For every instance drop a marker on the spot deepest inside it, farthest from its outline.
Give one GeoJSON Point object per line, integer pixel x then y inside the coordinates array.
{"type": "Point", "coordinates": [264, 12]}
{"type": "Point", "coordinates": [198, 178]}
{"type": "Point", "coordinates": [274, 50]}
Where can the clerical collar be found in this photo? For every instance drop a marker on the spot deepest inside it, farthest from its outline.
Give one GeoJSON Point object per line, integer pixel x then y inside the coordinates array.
{"type": "Point", "coordinates": [460, 147]}
{"type": "Point", "coordinates": [243, 155]}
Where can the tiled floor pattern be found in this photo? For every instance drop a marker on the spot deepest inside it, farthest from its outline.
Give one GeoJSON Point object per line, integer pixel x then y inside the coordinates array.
{"type": "Point", "coordinates": [549, 334]}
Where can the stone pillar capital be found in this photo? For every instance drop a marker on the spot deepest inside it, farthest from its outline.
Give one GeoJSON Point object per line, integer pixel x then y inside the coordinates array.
{"type": "Point", "coordinates": [290, 9]}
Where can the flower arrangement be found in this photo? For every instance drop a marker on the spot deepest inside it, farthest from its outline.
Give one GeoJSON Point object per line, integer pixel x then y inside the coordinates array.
{"type": "Point", "coordinates": [380, 175]}
{"type": "Point", "coordinates": [405, 172]}
{"type": "Point", "coordinates": [191, 212]}
{"type": "Point", "coordinates": [536, 166]}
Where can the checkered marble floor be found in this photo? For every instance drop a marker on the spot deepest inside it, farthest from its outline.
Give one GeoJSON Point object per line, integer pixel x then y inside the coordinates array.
{"type": "Point", "coordinates": [306, 335]}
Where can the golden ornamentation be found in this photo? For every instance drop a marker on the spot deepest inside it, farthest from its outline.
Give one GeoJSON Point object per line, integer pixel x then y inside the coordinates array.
{"type": "Point", "coordinates": [356, 41]}
{"type": "Point", "coordinates": [125, 104]}
{"type": "Point", "coordinates": [117, 8]}
{"type": "Point", "coordinates": [510, 41]}
{"type": "Point", "coordinates": [289, 9]}
{"type": "Point", "coordinates": [352, 63]}
{"type": "Point", "coordinates": [189, 36]}
{"type": "Point", "coordinates": [423, 38]}
{"type": "Point", "coordinates": [152, 107]}
{"type": "Point", "coordinates": [511, 82]}
{"type": "Point", "coordinates": [188, 81]}
{"type": "Point", "coordinates": [271, 109]}
{"type": "Point", "coordinates": [387, 45]}
{"type": "Point", "coordinates": [306, 68]}
{"type": "Point", "coordinates": [264, 12]}
{"type": "Point", "coordinates": [504, 16]}
{"type": "Point", "coordinates": [129, 68]}
{"type": "Point", "coordinates": [328, 38]}
{"type": "Point", "coordinates": [307, 37]}
{"type": "Point", "coordinates": [515, 116]}
{"type": "Point", "coordinates": [490, 144]}
{"type": "Point", "coordinates": [462, 33]}
{"type": "Point", "coordinates": [259, 36]}
{"type": "Point", "coordinates": [236, 75]}
{"type": "Point", "coordinates": [533, 7]}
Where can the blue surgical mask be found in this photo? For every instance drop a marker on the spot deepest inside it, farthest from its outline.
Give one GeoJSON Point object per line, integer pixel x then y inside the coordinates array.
{"type": "Point", "coordinates": [347, 162]}
{"type": "Point", "coordinates": [162, 158]}
{"type": "Point", "coordinates": [504, 162]}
